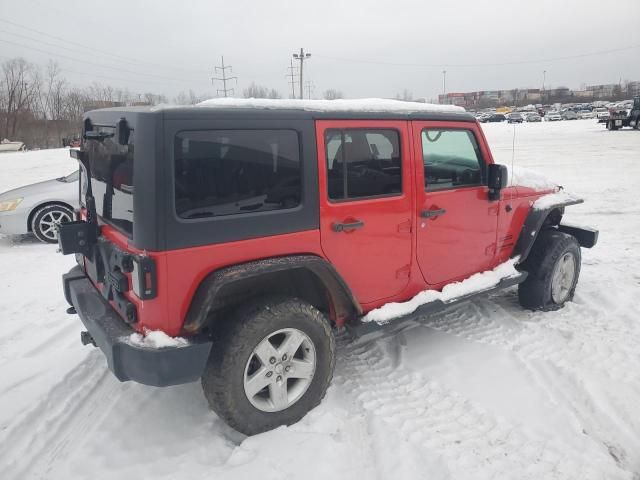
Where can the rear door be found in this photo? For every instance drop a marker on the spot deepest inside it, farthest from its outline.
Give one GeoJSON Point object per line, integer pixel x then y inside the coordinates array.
{"type": "Point", "coordinates": [457, 224]}
{"type": "Point", "coordinates": [366, 204]}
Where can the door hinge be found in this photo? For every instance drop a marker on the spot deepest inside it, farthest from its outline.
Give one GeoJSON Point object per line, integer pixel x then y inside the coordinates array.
{"type": "Point", "coordinates": [494, 210]}
{"type": "Point", "coordinates": [404, 272]}
{"type": "Point", "coordinates": [490, 250]}
{"type": "Point", "coordinates": [404, 227]}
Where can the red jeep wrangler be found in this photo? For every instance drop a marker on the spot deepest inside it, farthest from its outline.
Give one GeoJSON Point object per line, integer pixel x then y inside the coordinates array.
{"type": "Point", "coordinates": [250, 231]}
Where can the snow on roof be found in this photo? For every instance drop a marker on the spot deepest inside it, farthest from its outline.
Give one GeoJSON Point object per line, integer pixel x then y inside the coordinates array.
{"type": "Point", "coordinates": [358, 105]}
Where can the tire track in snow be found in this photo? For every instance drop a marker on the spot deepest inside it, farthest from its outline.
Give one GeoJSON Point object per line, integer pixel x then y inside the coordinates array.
{"type": "Point", "coordinates": [63, 419]}
{"type": "Point", "coordinates": [473, 443]}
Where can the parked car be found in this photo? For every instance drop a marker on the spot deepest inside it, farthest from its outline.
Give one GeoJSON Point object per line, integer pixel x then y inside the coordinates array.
{"type": "Point", "coordinates": [514, 118]}
{"type": "Point", "coordinates": [552, 116]}
{"type": "Point", "coordinates": [569, 115]}
{"type": "Point", "coordinates": [533, 117]}
{"type": "Point", "coordinates": [207, 257]}
{"type": "Point", "coordinates": [602, 114]}
{"type": "Point", "coordinates": [494, 117]}
{"type": "Point", "coordinates": [584, 114]}
{"type": "Point", "coordinates": [39, 207]}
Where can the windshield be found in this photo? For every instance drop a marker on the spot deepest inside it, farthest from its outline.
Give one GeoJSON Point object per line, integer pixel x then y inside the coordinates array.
{"type": "Point", "coordinates": [111, 166]}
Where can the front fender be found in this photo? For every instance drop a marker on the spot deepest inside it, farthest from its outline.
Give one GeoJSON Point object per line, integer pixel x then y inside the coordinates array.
{"type": "Point", "coordinates": [536, 219]}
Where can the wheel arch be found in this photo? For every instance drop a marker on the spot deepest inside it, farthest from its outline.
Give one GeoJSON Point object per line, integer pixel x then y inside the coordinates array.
{"type": "Point", "coordinates": [308, 277]}
{"type": "Point", "coordinates": [40, 206]}
{"type": "Point", "coordinates": [538, 220]}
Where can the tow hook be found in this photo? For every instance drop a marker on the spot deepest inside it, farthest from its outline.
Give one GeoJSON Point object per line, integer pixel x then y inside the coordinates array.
{"type": "Point", "coordinates": [86, 339]}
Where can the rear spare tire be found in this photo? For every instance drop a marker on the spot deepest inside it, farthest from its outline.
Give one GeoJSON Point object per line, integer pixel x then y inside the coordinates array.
{"type": "Point", "coordinates": [270, 364]}
{"type": "Point", "coordinates": [553, 266]}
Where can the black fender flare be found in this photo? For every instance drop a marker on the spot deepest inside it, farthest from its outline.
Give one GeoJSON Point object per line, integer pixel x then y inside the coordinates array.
{"type": "Point", "coordinates": [206, 299]}
{"type": "Point", "coordinates": [533, 224]}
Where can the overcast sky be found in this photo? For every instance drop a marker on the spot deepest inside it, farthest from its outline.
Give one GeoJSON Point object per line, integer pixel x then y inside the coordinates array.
{"type": "Point", "coordinates": [361, 47]}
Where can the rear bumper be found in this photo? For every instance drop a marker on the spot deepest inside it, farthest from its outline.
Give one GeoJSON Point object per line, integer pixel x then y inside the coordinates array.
{"type": "Point", "coordinates": [150, 366]}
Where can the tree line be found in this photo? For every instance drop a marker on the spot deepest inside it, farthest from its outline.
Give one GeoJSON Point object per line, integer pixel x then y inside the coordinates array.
{"type": "Point", "coordinates": [39, 106]}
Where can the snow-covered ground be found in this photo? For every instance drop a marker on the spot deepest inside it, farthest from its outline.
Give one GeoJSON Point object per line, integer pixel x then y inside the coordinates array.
{"type": "Point", "coordinates": [485, 390]}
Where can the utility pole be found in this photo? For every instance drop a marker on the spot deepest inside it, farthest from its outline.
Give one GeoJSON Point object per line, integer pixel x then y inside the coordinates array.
{"type": "Point", "coordinates": [292, 75]}
{"type": "Point", "coordinates": [310, 87]}
{"type": "Point", "coordinates": [544, 78]}
{"type": "Point", "coordinates": [224, 78]}
{"type": "Point", "coordinates": [444, 82]}
{"type": "Point", "coordinates": [302, 57]}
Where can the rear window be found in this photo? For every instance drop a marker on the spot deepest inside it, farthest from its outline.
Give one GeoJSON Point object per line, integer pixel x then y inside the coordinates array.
{"type": "Point", "coordinates": [111, 166]}
{"type": "Point", "coordinates": [229, 172]}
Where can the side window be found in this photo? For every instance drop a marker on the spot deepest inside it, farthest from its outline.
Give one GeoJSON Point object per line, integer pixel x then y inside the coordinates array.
{"type": "Point", "coordinates": [363, 163]}
{"type": "Point", "coordinates": [452, 159]}
{"type": "Point", "coordinates": [228, 172]}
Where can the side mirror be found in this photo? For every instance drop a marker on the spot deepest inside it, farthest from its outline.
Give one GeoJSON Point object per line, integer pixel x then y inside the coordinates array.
{"type": "Point", "coordinates": [497, 180]}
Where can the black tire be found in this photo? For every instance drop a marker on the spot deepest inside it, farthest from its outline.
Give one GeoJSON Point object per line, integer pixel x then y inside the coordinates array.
{"type": "Point", "coordinates": [549, 249]}
{"type": "Point", "coordinates": [41, 221]}
{"type": "Point", "coordinates": [224, 379]}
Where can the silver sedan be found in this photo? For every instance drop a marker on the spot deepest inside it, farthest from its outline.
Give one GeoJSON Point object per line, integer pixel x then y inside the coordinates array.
{"type": "Point", "coordinates": [38, 207]}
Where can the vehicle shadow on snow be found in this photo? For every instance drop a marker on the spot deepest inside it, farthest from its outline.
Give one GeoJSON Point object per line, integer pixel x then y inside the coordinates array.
{"type": "Point", "coordinates": [17, 240]}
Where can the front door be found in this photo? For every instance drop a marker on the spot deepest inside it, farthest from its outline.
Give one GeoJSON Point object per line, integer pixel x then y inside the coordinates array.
{"type": "Point", "coordinates": [456, 222]}
{"type": "Point", "coordinates": [365, 204]}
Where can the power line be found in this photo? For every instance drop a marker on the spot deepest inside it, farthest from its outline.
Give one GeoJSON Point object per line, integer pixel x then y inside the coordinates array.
{"type": "Point", "coordinates": [94, 50]}
{"type": "Point", "coordinates": [91, 63]}
{"type": "Point", "coordinates": [477, 65]}
{"type": "Point", "coordinates": [292, 75]}
{"type": "Point", "coordinates": [309, 87]}
{"type": "Point", "coordinates": [224, 78]}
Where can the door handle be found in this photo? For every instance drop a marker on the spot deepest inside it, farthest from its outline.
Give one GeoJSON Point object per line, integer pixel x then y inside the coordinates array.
{"type": "Point", "coordinates": [341, 227]}
{"type": "Point", "coordinates": [432, 213]}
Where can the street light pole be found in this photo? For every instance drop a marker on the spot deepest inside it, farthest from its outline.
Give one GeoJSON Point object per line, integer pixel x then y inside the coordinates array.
{"type": "Point", "coordinates": [302, 57]}
{"type": "Point", "coordinates": [444, 82]}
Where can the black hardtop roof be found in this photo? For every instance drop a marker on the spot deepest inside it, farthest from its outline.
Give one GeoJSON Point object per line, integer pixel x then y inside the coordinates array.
{"type": "Point", "coordinates": [203, 112]}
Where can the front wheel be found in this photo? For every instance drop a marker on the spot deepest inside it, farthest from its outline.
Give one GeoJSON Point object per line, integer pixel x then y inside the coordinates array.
{"type": "Point", "coordinates": [270, 365]}
{"type": "Point", "coordinates": [553, 266]}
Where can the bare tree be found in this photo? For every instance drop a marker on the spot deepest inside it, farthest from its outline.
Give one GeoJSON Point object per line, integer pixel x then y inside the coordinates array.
{"type": "Point", "coordinates": [19, 85]}
{"type": "Point", "coordinates": [332, 94]}
{"type": "Point", "coordinates": [406, 95]}
{"type": "Point", "coordinates": [189, 98]}
{"type": "Point", "coordinates": [257, 91]}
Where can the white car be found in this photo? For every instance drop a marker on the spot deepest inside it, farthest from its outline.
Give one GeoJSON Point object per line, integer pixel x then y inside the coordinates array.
{"type": "Point", "coordinates": [602, 114]}
{"type": "Point", "coordinates": [552, 116]}
{"type": "Point", "coordinates": [38, 207]}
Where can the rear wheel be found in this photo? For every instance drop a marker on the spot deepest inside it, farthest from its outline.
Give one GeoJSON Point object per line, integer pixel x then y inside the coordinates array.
{"type": "Point", "coordinates": [611, 125]}
{"type": "Point", "coordinates": [46, 218]}
{"type": "Point", "coordinates": [270, 365]}
{"type": "Point", "coordinates": [553, 266]}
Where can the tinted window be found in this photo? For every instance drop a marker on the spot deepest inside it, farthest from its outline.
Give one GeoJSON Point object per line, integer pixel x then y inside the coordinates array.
{"type": "Point", "coordinates": [111, 166]}
{"type": "Point", "coordinates": [451, 159]}
{"type": "Point", "coordinates": [363, 163]}
{"type": "Point", "coordinates": [226, 172]}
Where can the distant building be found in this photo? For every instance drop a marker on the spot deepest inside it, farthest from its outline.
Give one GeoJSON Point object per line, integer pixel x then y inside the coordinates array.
{"type": "Point", "coordinates": [586, 94]}
{"type": "Point", "coordinates": [602, 91]}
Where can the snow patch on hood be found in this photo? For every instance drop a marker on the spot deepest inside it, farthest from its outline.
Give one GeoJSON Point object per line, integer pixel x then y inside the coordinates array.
{"type": "Point", "coordinates": [155, 339]}
{"type": "Point", "coordinates": [356, 105]}
{"type": "Point", "coordinates": [552, 199]}
{"type": "Point", "coordinates": [523, 177]}
{"type": "Point", "coordinates": [475, 283]}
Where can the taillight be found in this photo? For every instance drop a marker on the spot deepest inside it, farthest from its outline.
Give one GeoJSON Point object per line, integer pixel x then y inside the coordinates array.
{"type": "Point", "coordinates": [143, 277]}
